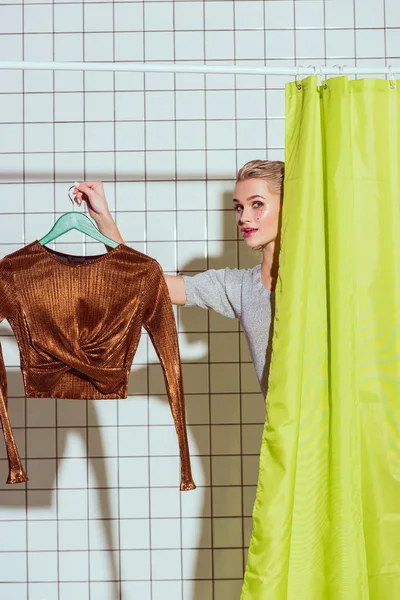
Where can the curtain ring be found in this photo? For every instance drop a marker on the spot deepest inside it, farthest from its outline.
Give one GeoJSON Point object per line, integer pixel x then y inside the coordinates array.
{"type": "Point", "coordinates": [296, 78]}
{"type": "Point", "coordinates": [391, 80]}
{"type": "Point", "coordinates": [298, 85]}
{"type": "Point", "coordinates": [340, 67]}
{"type": "Point", "coordinates": [321, 72]}
{"type": "Point", "coordinates": [312, 67]}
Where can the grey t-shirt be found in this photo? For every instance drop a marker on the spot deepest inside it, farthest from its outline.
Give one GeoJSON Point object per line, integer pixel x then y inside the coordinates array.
{"type": "Point", "coordinates": [239, 293]}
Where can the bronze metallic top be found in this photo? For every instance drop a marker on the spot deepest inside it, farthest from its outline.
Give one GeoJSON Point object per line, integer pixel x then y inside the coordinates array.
{"type": "Point", "coordinates": [77, 321]}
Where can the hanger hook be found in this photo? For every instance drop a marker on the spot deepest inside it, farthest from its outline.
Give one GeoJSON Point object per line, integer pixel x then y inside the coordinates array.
{"type": "Point", "coordinates": [69, 194]}
{"type": "Point", "coordinates": [312, 67]}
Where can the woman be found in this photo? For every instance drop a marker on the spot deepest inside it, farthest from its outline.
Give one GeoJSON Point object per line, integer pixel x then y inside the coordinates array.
{"type": "Point", "coordinates": [246, 294]}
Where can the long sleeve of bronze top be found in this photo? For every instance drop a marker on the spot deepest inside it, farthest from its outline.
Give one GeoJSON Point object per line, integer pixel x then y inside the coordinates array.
{"type": "Point", "coordinates": [7, 305]}
{"type": "Point", "coordinates": [159, 322]}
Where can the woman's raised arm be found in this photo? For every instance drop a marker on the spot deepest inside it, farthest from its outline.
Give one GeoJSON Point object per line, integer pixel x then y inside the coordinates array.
{"type": "Point", "coordinates": [92, 192]}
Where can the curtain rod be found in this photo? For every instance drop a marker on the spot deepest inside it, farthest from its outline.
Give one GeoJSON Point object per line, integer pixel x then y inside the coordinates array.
{"type": "Point", "coordinates": [196, 68]}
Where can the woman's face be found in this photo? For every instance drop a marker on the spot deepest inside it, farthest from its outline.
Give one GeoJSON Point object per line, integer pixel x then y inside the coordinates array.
{"type": "Point", "coordinates": [257, 211]}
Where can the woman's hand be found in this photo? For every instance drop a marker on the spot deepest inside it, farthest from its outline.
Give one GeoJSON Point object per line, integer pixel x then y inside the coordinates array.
{"type": "Point", "coordinates": [92, 192]}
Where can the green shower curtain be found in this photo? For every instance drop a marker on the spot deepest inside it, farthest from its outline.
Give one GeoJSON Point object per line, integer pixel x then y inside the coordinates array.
{"type": "Point", "coordinates": [326, 520]}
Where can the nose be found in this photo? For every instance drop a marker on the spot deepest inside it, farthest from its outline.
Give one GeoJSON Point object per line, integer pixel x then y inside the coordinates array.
{"type": "Point", "coordinates": [245, 217]}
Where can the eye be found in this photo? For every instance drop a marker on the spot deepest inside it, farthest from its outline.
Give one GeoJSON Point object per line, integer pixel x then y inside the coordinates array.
{"type": "Point", "coordinates": [237, 208]}
{"type": "Point", "coordinates": [258, 203]}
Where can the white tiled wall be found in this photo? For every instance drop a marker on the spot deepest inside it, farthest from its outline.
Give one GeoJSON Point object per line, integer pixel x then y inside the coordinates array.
{"type": "Point", "coordinates": [102, 517]}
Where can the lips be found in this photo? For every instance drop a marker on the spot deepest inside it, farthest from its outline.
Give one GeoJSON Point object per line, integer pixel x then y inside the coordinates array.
{"type": "Point", "coordinates": [248, 231]}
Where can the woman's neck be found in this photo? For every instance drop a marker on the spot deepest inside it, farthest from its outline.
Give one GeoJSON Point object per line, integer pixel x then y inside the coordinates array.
{"type": "Point", "coordinates": [269, 265]}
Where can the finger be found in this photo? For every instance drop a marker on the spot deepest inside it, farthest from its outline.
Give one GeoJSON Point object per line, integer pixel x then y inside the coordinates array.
{"type": "Point", "coordinates": [90, 184]}
{"type": "Point", "coordinates": [84, 188]}
{"type": "Point", "coordinates": [79, 198]}
{"type": "Point", "coordinates": [77, 194]}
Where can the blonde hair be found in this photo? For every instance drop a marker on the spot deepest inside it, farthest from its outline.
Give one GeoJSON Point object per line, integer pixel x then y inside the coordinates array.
{"type": "Point", "coordinates": [272, 170]}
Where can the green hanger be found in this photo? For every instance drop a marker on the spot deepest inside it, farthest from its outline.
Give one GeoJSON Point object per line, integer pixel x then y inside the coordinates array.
{"type": "Point", "coordinates": [79, 221]}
